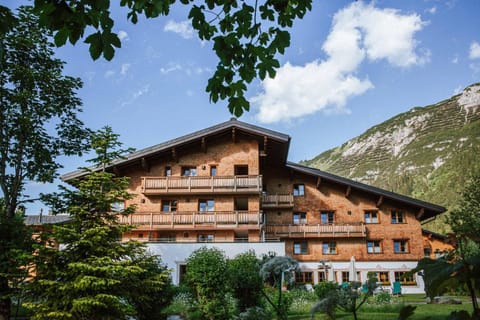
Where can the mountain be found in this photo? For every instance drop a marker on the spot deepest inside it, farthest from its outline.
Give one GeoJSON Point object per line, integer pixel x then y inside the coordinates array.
{"type": "Point", "coordinates": [427, 153]}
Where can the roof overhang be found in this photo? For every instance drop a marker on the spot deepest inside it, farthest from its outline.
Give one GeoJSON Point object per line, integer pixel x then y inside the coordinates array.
{"type": "Point", "coordinates": [426, 210]}
{"type": "Point", "coordinates": [233, 126]}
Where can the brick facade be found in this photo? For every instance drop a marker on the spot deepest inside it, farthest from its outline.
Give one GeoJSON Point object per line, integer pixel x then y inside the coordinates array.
{"type": "Point", "coordinates": [240, 188]}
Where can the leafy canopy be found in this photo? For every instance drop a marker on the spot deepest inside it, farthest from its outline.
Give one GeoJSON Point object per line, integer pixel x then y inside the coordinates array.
{"type": "Point", "coordinates": [38, 123]}
{"type": "Point", "coordinates": [246, 35]}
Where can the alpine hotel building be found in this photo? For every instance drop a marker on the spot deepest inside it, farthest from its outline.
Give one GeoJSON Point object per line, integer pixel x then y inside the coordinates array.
{"type": "Point", "coordinates": [230, 186]}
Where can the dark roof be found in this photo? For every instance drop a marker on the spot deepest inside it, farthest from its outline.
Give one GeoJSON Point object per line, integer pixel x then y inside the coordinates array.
{"type": "Point", "coordinates": [430, 209]}
{"type": "Point", "coordinates": [38, 220]}
{"type": "Point", "coordinates": [227, 125]}
{"type": "Point", "coordinates": [435, 234]}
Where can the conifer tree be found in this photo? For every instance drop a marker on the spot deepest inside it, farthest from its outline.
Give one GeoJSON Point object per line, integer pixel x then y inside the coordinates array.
{"type": "Point", "coordinates": [94, 275]}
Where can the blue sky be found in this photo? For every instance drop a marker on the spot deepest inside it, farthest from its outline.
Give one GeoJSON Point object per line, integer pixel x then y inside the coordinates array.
{"type": "Point", "coordinates": [351, 65]}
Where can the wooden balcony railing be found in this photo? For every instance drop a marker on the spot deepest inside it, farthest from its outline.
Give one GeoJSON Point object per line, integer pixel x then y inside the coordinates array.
{"type": "Point", "coordinates": [318, 230]}
{"type": "Point", "coordinates": [177, 219]}
{"type": "Point", "coordinates": [201, 184]}
{"type": "Point", "coordinates": [277, 200]}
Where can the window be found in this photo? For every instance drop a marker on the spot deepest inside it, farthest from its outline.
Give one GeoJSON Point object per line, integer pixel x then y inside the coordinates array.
{"type": "Point", "coordinates": [189, 171]}
{"type": "Point", "coordinates": [117, 206]}
{"type": "Point", "coordinates": [326, 217]}
{"type": "Point", "coordinates": [427, 252]}
{"type": "Point", "coordinates": [213, 171]}
{"type": "Point", "coordinates": [299, 218]}
{"type": "Point", "coordinates": [206, 238]}
{"type": "Point", "coordinates": [373, 246]}
{"type": "Point", "coordinates": [329, 247]}
{"type": "Point", "coordinates": [298, 190]}
{"type": "Point", "coordinates": [241, 170]}
{"type": "Point", "coordinates": [397, 217]}
{"type": "Point", "coordinates": [345, 276]}
{"type": "Point", "coordinates": [304, 277]}
{"type": "Point", "coordinates": [400, 246]}
{"type": "Point", "coordinates": [169, 205]}
{"type": "Point", "coordinates": [405, 277]}
{"type": "Point", "coordinates": [182, 271]}
{"type": "Point", "coordinates": [206, 205]}
{"type": "Point", "coordinates": [383, 277]}
{"type": "Point", "coordinates": [300, 247]}
{"type": "Point", "coordinates": [168, 171]}
{"type": "Point", "coordinates": [240, 204]}
{"type": "Point", "coordinates": [371, 217]}
{"type": "Point", "coordinates": [322, 277]}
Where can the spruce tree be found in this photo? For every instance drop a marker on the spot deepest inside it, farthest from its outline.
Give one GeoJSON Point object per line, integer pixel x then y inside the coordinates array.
{"type": "Point", "coordinates": [94, 275]}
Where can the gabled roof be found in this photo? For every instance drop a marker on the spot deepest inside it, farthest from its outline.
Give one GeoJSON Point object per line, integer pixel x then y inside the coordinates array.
{"type": "Point", "coordinates": [430, 209]}
{"type": "Point", "coordinates": [38, 220]}
{"type": "Point", "coordinates": [233, 123]}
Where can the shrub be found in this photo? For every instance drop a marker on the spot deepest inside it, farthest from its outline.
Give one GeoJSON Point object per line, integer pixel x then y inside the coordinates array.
{"type": "Point", "coordinates": [382, 298]}
{"type": "Point", "coordinates": [323, 288]}
{"type": "Point", "coordinates": [254, 313]}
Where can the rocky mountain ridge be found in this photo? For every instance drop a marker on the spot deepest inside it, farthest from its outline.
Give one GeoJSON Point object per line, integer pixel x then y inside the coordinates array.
{"type": "Point", "coordinates": [428, 152]}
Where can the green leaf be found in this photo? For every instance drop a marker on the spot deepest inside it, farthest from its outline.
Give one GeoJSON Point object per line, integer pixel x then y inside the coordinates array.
{"type": "Point", "coordinates": [96, 45]}
{"type": "Point", "coordinates": [61, 37]}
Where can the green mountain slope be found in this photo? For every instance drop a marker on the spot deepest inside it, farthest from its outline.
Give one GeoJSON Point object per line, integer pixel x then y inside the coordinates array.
{"type": "Point", "coordinates": [428, 152]}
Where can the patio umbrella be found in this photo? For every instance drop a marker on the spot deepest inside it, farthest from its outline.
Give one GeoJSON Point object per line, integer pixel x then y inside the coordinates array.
{"type": "Point", "coordinates": [352, 271]}
{"type": "Point", "coordinates": [330, 273]}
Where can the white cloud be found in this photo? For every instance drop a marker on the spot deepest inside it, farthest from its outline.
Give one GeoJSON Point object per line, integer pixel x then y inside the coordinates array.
{"type": "Point", "coordinates": [124, 68]}
{"type": "Point", "coordinates": [455, 59]}
{"type": "Point", "coordinates": [474, 50]}
{"type": "Point", "coordinates": [171, 67]}
{"type": "Point", "coordinates": [109, 74]}
{"type": "Point", "coordinates": [432, 10]}
{"type": "Point", "coordinates": [123, 35]}
{"type": "Point", "coordinates": [359, 33]}
{"type": "Point", "coordinates": [137, 94]}
{"type": "Point", "coordinates": [183, 28]}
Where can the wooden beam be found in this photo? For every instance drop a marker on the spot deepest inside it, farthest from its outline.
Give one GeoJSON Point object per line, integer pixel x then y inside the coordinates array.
{"type": "Point", "coordinates": [145, 165]}
{"type": "Point", "coordinates": [348, 191]}
{"type": "Point", "coordinates": [234, 138]}
{"type": "Point", "coordinates": [420, 213]}
{"type": "Point", "coordinates": [319, 181]}
{"type": "Point", "coordinates": [204, 145]}
{"type": "Point", "coordinates": [265, 144]}
{"type": "Point", "coordinates": [379, 201]}
{"type": "Point", "coordinates": [174, 155]}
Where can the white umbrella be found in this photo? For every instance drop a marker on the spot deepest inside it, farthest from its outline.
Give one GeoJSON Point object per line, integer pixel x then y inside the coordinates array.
{"type": "Point", "coordinates": [352, 271]}
{"type": "Point", "coordinates": [330, 273]}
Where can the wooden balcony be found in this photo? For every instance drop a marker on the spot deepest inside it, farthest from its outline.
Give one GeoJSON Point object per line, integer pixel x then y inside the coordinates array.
{"type": "Point", "coordinates": [277, 200]}
{"type": "Point", "coordinates": [318, 231]}
{"type": "Point", "coordinates": [201, 184]}
{"type": "Point", "coordinates": [192, 220]}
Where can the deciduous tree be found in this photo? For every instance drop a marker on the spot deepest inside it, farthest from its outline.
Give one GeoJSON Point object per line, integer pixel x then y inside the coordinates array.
{"type": "Point", "coordinates": [246, 35]}
{"type": "Point", "coordinates": [245, 280]}
{"type": "Point", "coordinates": [208, 278]}
{"type": "Point", "coordinates": [38, 123]}
{"type": "Point", "coordinates": [462, 265]}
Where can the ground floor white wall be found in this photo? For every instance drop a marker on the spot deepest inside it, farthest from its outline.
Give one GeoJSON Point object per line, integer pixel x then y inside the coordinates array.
{"type": "Point", "coordinates": [175, 254]}
{"type": "Point", "coordinates": [335, 269]}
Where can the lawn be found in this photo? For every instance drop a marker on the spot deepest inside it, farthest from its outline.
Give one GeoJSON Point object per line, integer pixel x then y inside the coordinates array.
{"type": "Point", "coordinates": [391, 311]}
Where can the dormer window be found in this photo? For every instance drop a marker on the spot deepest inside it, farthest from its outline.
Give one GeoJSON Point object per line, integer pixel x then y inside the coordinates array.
{"type": "Point", "coordinates": [189, 171]}
{"type": "Point", "coordinates": [298, 190]}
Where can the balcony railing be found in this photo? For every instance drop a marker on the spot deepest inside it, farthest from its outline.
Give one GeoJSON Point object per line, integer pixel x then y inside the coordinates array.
{"type": "Point", "coordinates": [201, 184]}
{"type": "Point", "coordinates": [318, 230]}
{"type": "Point", "coordinates": [277, 200]}
{"type": "Point", "coordinates": [178, 220]}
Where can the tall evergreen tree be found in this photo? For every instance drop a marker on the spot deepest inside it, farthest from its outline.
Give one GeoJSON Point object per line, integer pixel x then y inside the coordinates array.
{"type": "Point", "coordinates": [38, 123]}
{"type": "Point", "coordinates": [94, 275]}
